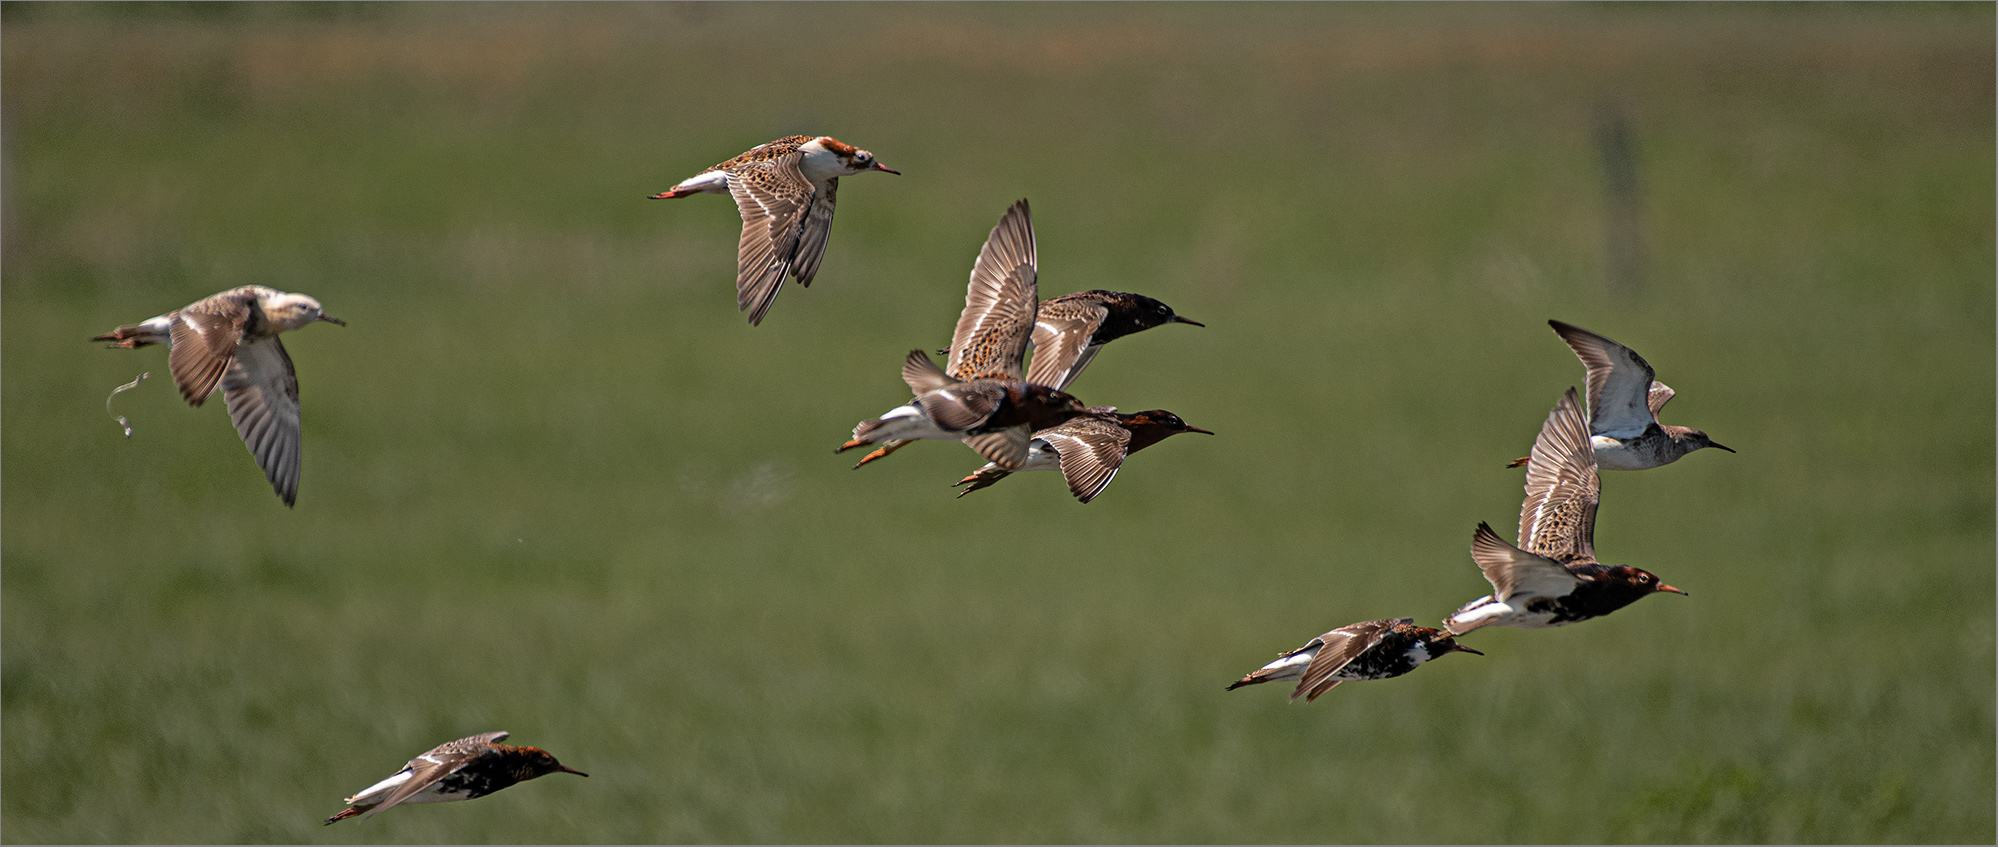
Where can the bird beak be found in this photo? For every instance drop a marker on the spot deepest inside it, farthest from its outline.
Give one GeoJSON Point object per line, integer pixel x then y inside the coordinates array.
{"type": "Point", "coordinates": [1664, 587]}
{"type": "Point", "coordinates": [1179, 320]}
{"type": "Point", "coordinates": [332, 320]}
{"type": "Point", "coordinates": [567, 769]}
{"type": "Point", "coordinates": [1720, 445]}
{"type": "Point", "coordinates": [1199, 430]}
{"type": "Point", "coordinates": [881, 167]}
{"type": "Point", "coordinates": [1459, 648]}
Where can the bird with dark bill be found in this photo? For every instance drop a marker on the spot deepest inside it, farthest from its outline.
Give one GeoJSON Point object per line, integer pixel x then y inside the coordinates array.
{"type": "Point", "coordinates": [1367, 650]}
{"type": "Point", "coordinates": [1088, 450]}
{"type": "Point", "coordinates": [465, 769]}
{"type": "Point", "coordinates": [785, 191]}
{"type": "Point", "coordinates": [230, 340]}
{"type": "Point", "coordinates": [1553, 578]}
{"type": "Point", "coordinates": [1624, 401]}
{"type": "Point", "coordinates": [1070, 329]}
{"type": "Point", "coordinates": [982, 399]}
{"type": "Point", "coordinates": [1068, 332]}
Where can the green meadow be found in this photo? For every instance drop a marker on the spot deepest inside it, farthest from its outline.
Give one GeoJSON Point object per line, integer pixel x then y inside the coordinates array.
{"type": "Point", "coordinates": [554, 484]}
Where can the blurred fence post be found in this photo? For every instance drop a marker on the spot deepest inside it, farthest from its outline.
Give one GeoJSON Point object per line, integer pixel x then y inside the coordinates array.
{"type": "Point", "coordinates": [1623, 226]}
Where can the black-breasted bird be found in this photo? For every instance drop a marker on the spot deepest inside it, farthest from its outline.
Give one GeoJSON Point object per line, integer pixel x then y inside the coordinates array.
{"type": "Point", "coordinates": [1380, 649]}
{"type": "Point", "coordinates": [982, 398]}
{"type": "Point", "coordinates": [465, 769]}
{"type": "Point", "coordinates": [1088, 450]}
{"type": "Point", "coordinates": [1553, 578]}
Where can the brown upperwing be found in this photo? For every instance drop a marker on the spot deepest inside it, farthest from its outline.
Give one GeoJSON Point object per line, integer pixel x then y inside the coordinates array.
{"type": "Point", "coordinates": [205, 336]}
{"type": "Point", "coordinates": [1557, 519]}
{"type": "Point", "coordinates": [1062, 331]}
{"type": "Point", "coordinates": [1342, 645]}
{"type": "Point", "coordinates": [1092, 449]}
{"type": "Point", "coordinates": [450, 756]}
{"type": "Point", "coordinates": [773, 198]}
{"type": "Point", "coordinates": [999, 304]}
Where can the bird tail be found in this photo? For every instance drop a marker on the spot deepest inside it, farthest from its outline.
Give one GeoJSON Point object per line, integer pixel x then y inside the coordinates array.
{"type": "Point", "coordinates": [133, 336]}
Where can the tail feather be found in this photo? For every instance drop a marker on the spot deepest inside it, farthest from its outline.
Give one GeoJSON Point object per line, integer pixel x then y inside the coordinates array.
{"type": "Point", "coordinates": [343, 814]}
{"type": "Point", "coordinates": [133, 336]}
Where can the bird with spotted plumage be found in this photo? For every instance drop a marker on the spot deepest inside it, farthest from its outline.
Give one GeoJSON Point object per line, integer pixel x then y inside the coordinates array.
{"type": "Point", "coordinates": [785, 192]}
{"type": "Point", "coordinates": [1088, 450]}
{"type": "Point", "coordinates": [230, 341]}
{"type": "Point", "coordinates": [1553, 578]}
{"type": "Point", "coordinates": [465, 769]}
{"type": "Point", "coordinates": [981, 398]}
{"type": "Point", "coordinates": [1367, 650]}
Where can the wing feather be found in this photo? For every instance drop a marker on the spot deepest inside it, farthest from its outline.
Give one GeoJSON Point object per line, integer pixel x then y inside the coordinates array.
{"type": "Point", "coordinates": [773, 198]}
{"type": "Point", "coordinates": [1512, 571]}
{"type": "Point", "coordinates": [1061, 340]}
{"type": "Point", "coordinates": [1619, 381]}
{"type": "Point", "coordinates": [261, 388]}
{"type": "Point", "coordinates": [999, 303]}
{"type": "Point", "coordinates": [817, 228]}
{"type": "Point", "coordinates": [204, 340]}
{"type": "Point", "coordinates": [1092, 450]}
{"type": "Point", "coordinates": [1558, 517]}
{"type": "Point", "coordinates": [1342, 646]}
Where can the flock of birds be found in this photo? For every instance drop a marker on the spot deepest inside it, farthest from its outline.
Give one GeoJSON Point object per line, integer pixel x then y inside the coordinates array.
{"type": "Point", "coordinates": [1018, 418]}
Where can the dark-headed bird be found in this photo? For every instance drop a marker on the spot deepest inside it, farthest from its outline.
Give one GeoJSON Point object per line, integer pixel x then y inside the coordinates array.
{"type": "Point", "coordinates": [465, 769]}
{"type": "Point", "coordinates": [1381, 649]}
{"type": "Point", "coordinates": [1553, 578]}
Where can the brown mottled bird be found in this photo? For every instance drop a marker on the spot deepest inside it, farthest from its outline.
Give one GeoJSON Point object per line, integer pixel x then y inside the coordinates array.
{"type": "Point", "coordinates": [1555, 580]}
{"type": "Point", "coordinates": [785, 191]}
{"type": "Point", "coordinates": [1088, 450]}
{"type": "Point", "coordinates": [465, 769]}
{"type": "Point", "coordinates": [981, 398]}
{"type": "Point", "coordinates": [1367, 650]}
{"type": "Point", "coordinates": [1624, 401]}
{"type": "Point", "coordinates": [230, 340]}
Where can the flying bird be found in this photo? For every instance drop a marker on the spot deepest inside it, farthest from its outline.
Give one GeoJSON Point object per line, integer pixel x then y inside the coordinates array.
{"type": "Point", "coordinates": [1366, 650]}
{"type": "Point", "coordinates": [1624, 400]}
{"type": "Point", "coordinates": [465, 769]}
{"type": "Point", "coordinates": [231, 340]}
{"type": "Point", "coordinates": [1553, 577]}
{"type": "Point", "coordinates": [1088, 450]}
{"type": "Point", "coordinates": [980, 398]}
{"type": "Point", "coordinates": [785, 191]}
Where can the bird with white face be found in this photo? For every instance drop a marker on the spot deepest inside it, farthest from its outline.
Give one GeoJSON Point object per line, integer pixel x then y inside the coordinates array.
{"type": "Point", "coordinates": [230, 340]}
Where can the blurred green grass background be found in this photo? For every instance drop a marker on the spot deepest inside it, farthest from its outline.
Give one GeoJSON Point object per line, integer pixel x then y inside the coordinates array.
{"type": "Point", "coordinates": [553, 484]}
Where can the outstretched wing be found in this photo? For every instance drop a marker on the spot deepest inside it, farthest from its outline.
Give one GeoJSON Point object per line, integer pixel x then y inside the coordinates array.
{"type": "Point", "coordinates": [1558, 518]}
{"type": "Point", "coordinates": [204, 341]}
{"type": "Point", "coordinates": [1061, 340]}
{"type": "Point", "coordinates": [1092, 449]}
{"type": "Point", "coordinates": [812, 240]}
{"type": "Point", "coordinates": [999, 304]}
{"type": "Point", "coordinates": [773, 197]}
{"type": "Point", "coordinates": [1342, 646]}
{"type": "Point", "coordinates": [1512, 571]}
{"type": "Point", "coordinates": [1619, 382]}
{"type": "Point", "coordinates": [262, 391]}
